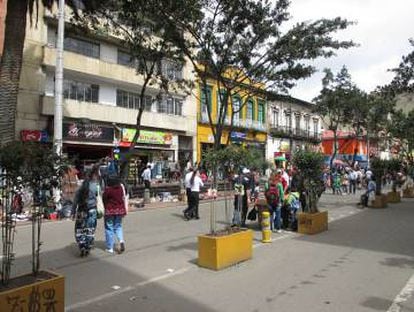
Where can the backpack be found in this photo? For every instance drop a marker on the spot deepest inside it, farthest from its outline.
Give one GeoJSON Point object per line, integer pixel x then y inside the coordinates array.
{"type": "Point", "coordinates": [272, 195]}
{"type": "Point", "coordinates": [295, 204]}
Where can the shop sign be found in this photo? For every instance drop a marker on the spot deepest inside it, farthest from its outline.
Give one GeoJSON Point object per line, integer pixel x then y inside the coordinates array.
{"type": "Point", "coordinates": [87, 132]}
{"type": "Point", "coordinates": [34, 136]}
{"type": "Point", "coordinates": [146, 137]}
{"type": "Point", "coordinates": [284, 147]}
{"type": "Point", "coordinates": [238, 136]}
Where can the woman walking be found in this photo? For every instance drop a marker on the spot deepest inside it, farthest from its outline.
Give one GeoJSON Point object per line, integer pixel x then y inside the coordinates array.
{"type": "Point", "coordinates": [85, 204]}
{"type": "Point", "coordinates": [115, 210]}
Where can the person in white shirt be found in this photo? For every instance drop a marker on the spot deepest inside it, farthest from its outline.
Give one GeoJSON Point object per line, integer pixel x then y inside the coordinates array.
{"type": "Point", "coordinates": [196, 183]}
{"type": "Point", "coordinates": [146, 176]}
{"type": "Point", "coordinates": [187, 185]}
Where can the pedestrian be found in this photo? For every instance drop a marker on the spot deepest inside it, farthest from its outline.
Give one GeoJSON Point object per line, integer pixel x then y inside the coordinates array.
{"type": "Point", "coordinates": [241, 198]}
{"type": "Point", "coordinates": [352, 181]}
{"type": "Point", "coordinates": [196, 184]}
{"type": "Point", "coordinates": [85, 204]}
{"type": "Point", "coordinates": [187, 183]}
{"type": "Point", "coordinates": [115, 210]}
{"type": "Point", "coordinates": [274, 196]}
{"type": "Point", "coordinates": [146, 176]}
{"type": "Point", "coordinates": [292, 204]}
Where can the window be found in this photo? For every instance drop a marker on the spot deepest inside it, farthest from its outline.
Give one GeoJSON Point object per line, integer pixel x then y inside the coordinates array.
{"type": "Point", "coordinates": [236, 109]}
{"type": "Point", "coordinates": [125, 58]}
{"type": "Point", "coordinates": [204, 101]}
{"type": "Point", "coordinates": [315, 127]}
{"type": "Point", "coordinates": [250, 110]}
{"type": "Point", "coordinates": [275, 117]}
{"type": "Point", "coordinates": [170, 106]}
{"type": "Point", "coordinates": [172, 70]}
{"type": "Point", "coordinates": [161, 105]}
{"type": "Point", "coordinates": [127, 99]}
{"type": "Point", "coordinates": [178, 107]}
{"type": "Point", "coordinates": [82, 47]}
{"type": "Point", "coordinates": [297, 121]}
{"type": "Point", "coordinates": [288, 120]}
{"type": "Point", "coordinates": [307, 123]}
{"type": "Point", "coordinates": [261, 112]}
{"type": "Point", "coordinates": [221, 97]}
{"type": "Point", "coordinates": [148, 103]}
{"type": "Point", "coordinates": [80, 91]}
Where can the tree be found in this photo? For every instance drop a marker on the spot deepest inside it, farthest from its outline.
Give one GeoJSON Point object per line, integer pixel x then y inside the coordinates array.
{"type": "Point", "coordinates": [151, 42]}
{"type": "Point", "coordinates": [12, 56]}
{"type": "Point", "coordinates": [402, 128]}
{"type": "Point", "coordinates": [240, 45]}
{"type": "Point", "coordinates": [335, 102]}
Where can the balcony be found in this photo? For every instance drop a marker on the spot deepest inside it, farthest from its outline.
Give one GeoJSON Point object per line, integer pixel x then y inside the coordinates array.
{"type": "Point", "coordinates": [237, 123]}
{"type": "Point", "coordinates": [119, 115]}
{"type": "Point", "coordinates": [295, 133]}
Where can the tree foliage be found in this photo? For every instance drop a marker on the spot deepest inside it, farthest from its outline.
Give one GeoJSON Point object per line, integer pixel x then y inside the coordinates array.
{"type": "Point", "coordinates": [401, 127]}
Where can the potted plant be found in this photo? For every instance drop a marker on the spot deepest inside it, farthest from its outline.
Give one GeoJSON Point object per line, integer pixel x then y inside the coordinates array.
{"type": "Point", "coordinates": [225, 247]}
{"type": "Point", "coordinates": [379, 169]}
{"type": "Point", "coordinates": [309, 170]}
{"type": "Point", "coordinates": [393, 168]}
{"type": "Point", "coordinates": [34, 168]}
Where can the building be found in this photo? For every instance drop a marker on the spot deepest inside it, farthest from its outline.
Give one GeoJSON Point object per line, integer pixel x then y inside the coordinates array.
{"type": "Point", "coordinates": [100, 99]}
{"type": "Point", "coordinates": [292, 127]}
{"type": "Point", "coordinates": [249, 125]}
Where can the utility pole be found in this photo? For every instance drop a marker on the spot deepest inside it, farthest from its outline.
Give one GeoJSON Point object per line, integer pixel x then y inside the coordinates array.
{"type": "Point", "coordinates": [57, 136]}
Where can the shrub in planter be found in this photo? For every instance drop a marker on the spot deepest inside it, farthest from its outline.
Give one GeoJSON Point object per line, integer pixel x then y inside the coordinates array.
{"type": "Point", "coordinates": [35, 168]}
{"type": "Point", "coordinates": [309, 166]}
{"type": "Point", "coordinates": [379, 168]}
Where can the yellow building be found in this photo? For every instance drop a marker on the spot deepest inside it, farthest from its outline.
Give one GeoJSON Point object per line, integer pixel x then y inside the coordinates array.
{"type": "Point", "coordinates": [249, 124]}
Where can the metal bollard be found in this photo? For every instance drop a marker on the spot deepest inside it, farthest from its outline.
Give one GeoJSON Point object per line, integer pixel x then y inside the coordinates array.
{"type": "Point", "coordinates": [266, 232]}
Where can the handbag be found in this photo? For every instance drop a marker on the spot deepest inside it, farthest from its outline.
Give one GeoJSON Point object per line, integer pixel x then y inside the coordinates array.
{"type": "Point", "coordinates": [100, 208]}
{"type": "Point", "coordinates": [126, 198]}
{"type": "Point", "coordinates": [252, 214]}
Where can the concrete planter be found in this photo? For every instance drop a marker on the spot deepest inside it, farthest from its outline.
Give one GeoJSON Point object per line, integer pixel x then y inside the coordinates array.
{"type": "Point", "coordinates": [312, 223]}
{"type": "Point", "coordinates": [26, 293]}
{"type": "Point", "coordinates": [408, 192]}
{"type": "Point", "coordinates": [380, 201]}
{"type": "Point", "coordinates": [219, 252]}
{"type": "Point", "coordinates": [393, 197]}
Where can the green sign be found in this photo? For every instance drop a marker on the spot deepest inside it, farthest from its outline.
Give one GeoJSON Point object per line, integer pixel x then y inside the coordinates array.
{"type": "Point", "coordinates": [147, 137]}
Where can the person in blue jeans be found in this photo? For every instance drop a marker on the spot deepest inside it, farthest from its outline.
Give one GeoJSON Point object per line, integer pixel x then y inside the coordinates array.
{"type": "Point", "coordinates": [115, 209]}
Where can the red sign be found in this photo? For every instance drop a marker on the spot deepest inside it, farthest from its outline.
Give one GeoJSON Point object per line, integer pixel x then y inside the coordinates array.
{"type": "Point", "coordinates": [31, 135]}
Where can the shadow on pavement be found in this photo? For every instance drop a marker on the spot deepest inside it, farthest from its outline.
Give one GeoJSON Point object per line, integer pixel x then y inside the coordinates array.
{"type": "Point", "coordinates": [379, 304]}
{"type": "Point", "coordinates": [91, 284]}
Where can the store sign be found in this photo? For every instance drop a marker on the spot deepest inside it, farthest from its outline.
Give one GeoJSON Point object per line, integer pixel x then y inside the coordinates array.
{"type": "Point", "coordinates": [146, 137]}
{"type": "Point", "coordinates": [238, 136]}
{"type": "Point", "coordinates": [284, 147]}
{"type": "Point", "coordinates": [34, 136]}
{"type": "Point", "coordinates": [87, 132]}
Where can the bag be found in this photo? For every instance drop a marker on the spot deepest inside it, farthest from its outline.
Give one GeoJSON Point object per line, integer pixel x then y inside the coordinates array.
{"type": "Point", "coordinates": [252, 214]}
{"type": "Point", "coordinates": [272, 195]}
{"type": "Point", "coordinates": [100, 209]}
{"type": "Point", "coordinates": [126, 198]}
{"type": "Point", "coordinates": [295, 204]}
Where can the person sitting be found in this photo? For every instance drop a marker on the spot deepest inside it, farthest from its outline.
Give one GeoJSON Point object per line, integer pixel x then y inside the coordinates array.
{"type": "Point", "coordinates": [370, 193]}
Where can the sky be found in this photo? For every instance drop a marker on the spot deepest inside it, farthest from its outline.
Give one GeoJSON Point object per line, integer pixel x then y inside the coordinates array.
{"type": "Point", "coordinates": [382, 30]}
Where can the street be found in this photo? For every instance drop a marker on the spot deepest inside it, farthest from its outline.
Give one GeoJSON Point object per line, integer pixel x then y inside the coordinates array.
{"type": "Point", "coordinates": [364, 262]}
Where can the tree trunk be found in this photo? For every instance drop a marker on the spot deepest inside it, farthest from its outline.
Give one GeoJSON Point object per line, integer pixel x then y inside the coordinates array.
{"type": "Point", "coordinates": [10, 66]}
{"type": "Point", "coordinates": [335, 149]}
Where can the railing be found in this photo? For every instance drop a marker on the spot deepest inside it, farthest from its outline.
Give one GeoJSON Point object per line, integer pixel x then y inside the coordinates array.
{"type": "Point", "coordinates": [237, 123]}
{"type": "Point", "coordinates": [297, 133]}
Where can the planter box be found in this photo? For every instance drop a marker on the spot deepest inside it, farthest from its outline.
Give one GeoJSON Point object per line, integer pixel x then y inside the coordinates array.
{"type": "Point", "coordinates": [312, 223]}
{"type": "Point", "coordinates": [408, 192]}
{"type": "Point", "coordinates": [27, 293]}
{"type": "Point", "coordinates": [219, 252]}
{"type": "Point", "coordinates": [380, 201]}
{"type": "Point", "coordinates": [393, 197]}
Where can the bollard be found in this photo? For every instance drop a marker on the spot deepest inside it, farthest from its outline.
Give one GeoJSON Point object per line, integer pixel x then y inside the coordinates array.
{"type": "Point", "coordinates": [266, 232]}
{"type": "Point", "coordinates": [146, 196]}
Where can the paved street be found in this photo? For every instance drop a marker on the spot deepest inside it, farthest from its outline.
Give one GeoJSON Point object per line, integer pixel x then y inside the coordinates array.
{"type": "Point", "coordinates": [364, 262]}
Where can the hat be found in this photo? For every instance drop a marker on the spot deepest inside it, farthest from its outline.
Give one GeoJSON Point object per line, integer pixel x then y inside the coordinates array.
{"type": "Point", "coordinates": [245, 171]}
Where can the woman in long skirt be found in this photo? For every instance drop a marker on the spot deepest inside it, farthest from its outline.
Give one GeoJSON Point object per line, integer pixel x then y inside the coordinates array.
{"type": "Point", "coordinates": [85, 204]}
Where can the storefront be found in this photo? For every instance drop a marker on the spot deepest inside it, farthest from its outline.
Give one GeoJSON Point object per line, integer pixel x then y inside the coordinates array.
{"type": "Point", "coordinates": [87, 142]}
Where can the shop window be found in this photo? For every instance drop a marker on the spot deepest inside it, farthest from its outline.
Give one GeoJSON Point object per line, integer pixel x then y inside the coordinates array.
{"type": "Point", "coordinates": [81, 46]}
{"type": "Point", "coordinates": [80, 91]}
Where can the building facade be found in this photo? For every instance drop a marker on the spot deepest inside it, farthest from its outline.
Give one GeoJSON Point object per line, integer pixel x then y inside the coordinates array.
{"type": "Point", "coordinates": [249, 125]}
{"type": "Point", "coordinates": [101, 100]}
{"type": "Point", "coordinates": [292, 127]}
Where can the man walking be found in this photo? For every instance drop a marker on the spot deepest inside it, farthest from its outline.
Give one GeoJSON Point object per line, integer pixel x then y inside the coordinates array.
{"type": "Point", "coordinates": [352, 181]}
{"type": "Point", "coordinates": [146, 176]}
{"type": "Point", "coordinates": [187, 184]}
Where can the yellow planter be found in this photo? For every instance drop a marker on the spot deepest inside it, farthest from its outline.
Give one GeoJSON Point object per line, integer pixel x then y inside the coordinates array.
{"type": "Point", "coordinates": [408, 192]}
{"type": "Point", "coordinates": [380, 201]}
{"type": "Point", "coordinates": [219, 252]}
{"type": "Point", "coordinates": [45, 295]}
{"type": "Point", "coordinates": [393, 197]}
{"type": "Point", "coordinates": [312, 223]}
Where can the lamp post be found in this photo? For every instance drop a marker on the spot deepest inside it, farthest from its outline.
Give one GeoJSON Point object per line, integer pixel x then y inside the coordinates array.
{"type": "Point", "coordinates": [57, 133]}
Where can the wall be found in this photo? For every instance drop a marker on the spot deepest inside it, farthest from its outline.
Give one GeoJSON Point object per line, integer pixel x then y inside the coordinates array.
{"type": "Point", "coordinates": [3, 10]}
